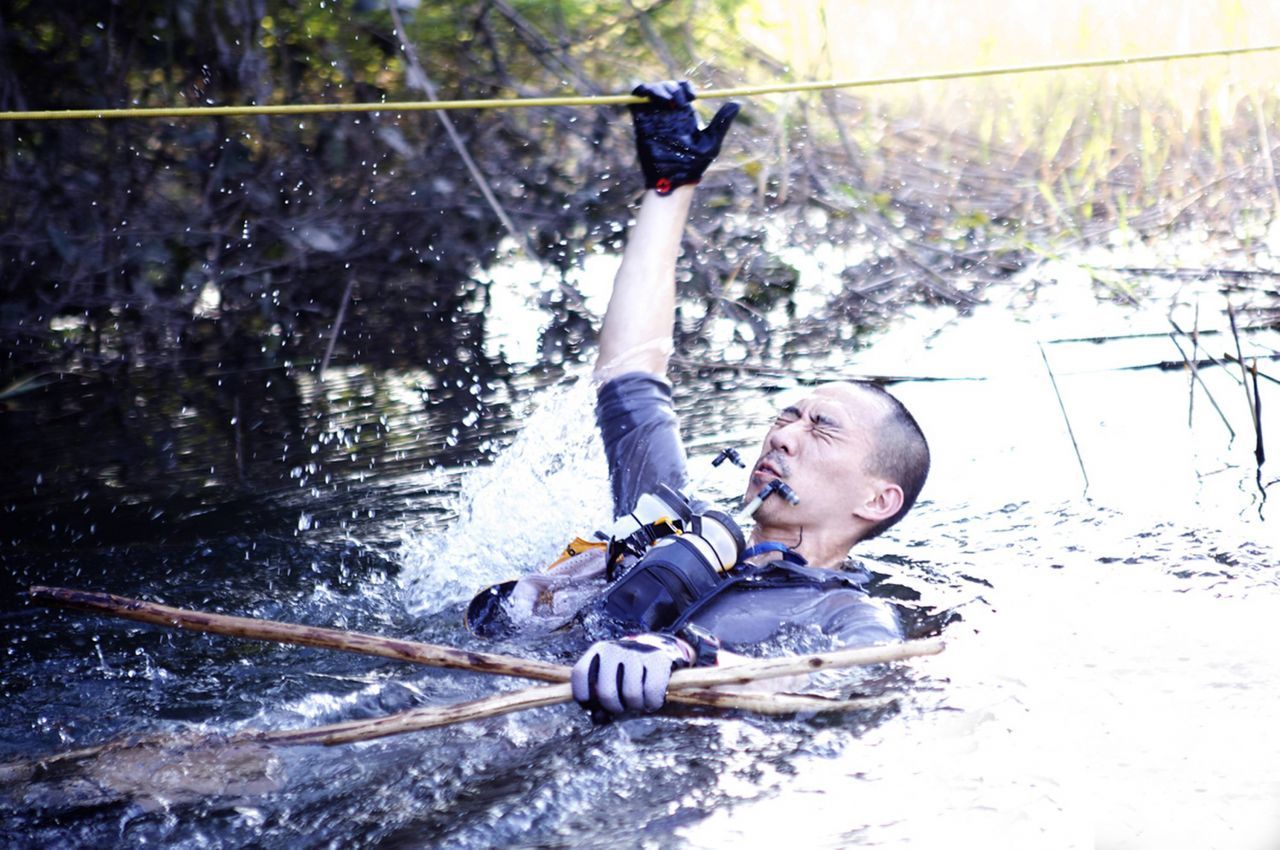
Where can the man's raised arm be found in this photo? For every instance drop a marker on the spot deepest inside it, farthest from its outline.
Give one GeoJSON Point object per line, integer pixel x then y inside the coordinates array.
{"type": "Point", "coordinates": [673, 153]}
{"type": "Point", "coordinates": [636, 334]}
{"type": "Point", "coordinates": [637, 422]}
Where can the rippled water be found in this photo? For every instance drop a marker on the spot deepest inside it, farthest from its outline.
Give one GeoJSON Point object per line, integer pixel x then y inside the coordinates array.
{"type": "Point", "coordinates": [1109, 679]}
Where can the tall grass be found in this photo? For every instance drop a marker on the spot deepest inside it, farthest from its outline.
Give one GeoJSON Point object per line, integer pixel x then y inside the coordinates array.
{"type": "Point", "coordinates": [1033, 163]}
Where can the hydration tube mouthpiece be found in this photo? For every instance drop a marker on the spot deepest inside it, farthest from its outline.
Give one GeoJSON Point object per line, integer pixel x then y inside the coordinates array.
{"type": "Point", "coordinates": [775, 486]}
{"type": "Point", "coordinates": [730, 454]}
{"type": "Point", "coordinates": [784, 491]}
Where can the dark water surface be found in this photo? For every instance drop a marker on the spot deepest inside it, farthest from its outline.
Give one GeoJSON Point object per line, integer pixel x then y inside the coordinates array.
{"type": "Point", "coordinates": [1109, 677]}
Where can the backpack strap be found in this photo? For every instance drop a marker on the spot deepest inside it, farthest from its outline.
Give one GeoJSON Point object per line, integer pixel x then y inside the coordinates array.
{"type": "Point", "coordinates": [788, 554]}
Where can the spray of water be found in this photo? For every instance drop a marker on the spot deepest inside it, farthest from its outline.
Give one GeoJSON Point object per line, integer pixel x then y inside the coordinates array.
{"type": "Point", "coordinates": [515, 516]}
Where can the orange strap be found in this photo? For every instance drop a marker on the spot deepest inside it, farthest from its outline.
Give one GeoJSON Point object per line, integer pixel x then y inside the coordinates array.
{"type": "Point", "coordinates": [576, 547]}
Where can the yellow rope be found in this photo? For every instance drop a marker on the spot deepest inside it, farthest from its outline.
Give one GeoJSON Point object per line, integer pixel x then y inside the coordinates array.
{"type": "Point", "coordinates": [606, 100]}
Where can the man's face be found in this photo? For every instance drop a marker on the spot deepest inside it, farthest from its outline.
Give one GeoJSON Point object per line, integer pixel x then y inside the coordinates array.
{"type": "Point", "coordinates": [819, 445]}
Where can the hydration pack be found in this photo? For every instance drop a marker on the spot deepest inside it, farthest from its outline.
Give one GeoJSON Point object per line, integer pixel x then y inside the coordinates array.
{"type": "Point", "coordinates": [660, 562]}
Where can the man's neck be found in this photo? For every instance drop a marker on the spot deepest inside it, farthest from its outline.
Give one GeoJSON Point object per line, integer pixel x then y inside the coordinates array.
{"type": "Point", "coordinates": [818, 548]}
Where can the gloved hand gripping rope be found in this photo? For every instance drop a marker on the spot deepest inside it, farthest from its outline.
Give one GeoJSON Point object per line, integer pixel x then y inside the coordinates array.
{"type": "Point", "coordinates": [671, 148]}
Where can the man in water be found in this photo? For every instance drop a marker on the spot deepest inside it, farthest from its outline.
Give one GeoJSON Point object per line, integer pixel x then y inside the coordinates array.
{"type": "Point", "coordinates": [851, 452]}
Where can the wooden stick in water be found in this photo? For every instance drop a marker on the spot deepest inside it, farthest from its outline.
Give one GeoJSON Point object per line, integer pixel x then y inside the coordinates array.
{"type": "Point", "coordinates": [759, 669]}
{"type": "Point", "coordinates": [688, 687]}
{"type": "Point", "coordinates": [431, 717]}
{"type": "Point", "coordinates": [291, 633]}
{"type": "Point", "coordinates": [444, 656]}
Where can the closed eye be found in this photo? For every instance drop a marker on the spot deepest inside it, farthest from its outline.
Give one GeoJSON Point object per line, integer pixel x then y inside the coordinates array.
{"type": "Point", "coordinates": [827, 422]}
{"type": "Point", "coordinates": [824, 427]}
{"type": "Point", "coordinates": [788, 414]}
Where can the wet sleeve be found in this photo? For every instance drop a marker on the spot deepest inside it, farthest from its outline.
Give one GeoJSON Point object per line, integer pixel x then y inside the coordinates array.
{"type": "Point", "coordinates": [854, 619]}
{"type": "Point", "coordinates": [641, 437]}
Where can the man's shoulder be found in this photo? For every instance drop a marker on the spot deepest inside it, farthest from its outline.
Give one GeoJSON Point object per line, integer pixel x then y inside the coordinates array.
{"type": "Point", "coordinates": [849, 574]}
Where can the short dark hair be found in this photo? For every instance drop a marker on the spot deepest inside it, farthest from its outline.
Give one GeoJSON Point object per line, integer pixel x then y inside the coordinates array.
{"type": "Point", "coordinates": [901, 453]}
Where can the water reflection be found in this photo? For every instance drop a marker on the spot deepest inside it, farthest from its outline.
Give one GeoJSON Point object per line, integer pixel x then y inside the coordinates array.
{"type": "Point", "coordinates": [203, 449]}
{"type": "Point", "coordinates": [1108, 678]}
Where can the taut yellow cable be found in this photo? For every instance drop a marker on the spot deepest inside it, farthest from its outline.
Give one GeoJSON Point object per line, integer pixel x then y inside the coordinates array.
{"type": "Point", "coordinates": [606, 100]}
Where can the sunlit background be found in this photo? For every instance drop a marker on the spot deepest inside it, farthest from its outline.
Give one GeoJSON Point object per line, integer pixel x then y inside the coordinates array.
{"type": "Point", "coordinates": [297, 368]}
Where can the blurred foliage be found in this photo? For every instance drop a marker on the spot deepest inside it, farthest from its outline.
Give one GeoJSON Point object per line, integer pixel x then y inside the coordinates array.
{"type": "Point", "coordinates": [120, 240]}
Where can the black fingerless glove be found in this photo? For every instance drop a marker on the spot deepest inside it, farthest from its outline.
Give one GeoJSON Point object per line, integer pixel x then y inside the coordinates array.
{"type": "Point", "coordinates": [672, 150]}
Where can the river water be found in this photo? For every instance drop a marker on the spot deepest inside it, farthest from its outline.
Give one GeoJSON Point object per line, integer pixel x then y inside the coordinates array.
{"type": "Point", "coordinates": [1100, 548]}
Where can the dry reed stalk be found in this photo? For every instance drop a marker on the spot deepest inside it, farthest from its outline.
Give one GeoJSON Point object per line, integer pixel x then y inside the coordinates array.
{"type": "Point", "coordinates": [1195, 354]}
{"type": "Point", "coordinates": [337, 329]}
{"type": "Point", "coordinates": [1252, 398]}
{"type": "Point", "coordinates": [417, 78]}
{"type": "Point", "coordinates": [1193, 365]}
{"type": "Point", "coordinates": [1259, 451]}
{"type": "Point", "coordinates": [1254, 368]}
{"type": "Point", "coordinates": [1065, 418]}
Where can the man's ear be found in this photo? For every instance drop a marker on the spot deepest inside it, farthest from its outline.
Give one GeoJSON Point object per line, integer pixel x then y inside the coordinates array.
{"type": "Point", "coordinates": [883, 503]}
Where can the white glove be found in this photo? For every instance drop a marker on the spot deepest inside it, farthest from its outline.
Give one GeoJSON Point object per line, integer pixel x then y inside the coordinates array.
{"type": "Point", "coordinates": [629, 674]}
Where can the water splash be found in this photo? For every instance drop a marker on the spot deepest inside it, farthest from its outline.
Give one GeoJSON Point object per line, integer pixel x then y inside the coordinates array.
{"type": "Point", "coordinates": [548, 487]}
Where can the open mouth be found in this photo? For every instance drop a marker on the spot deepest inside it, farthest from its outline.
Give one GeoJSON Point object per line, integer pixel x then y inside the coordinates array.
{"type": "Point", "coordinates": [765, 470]}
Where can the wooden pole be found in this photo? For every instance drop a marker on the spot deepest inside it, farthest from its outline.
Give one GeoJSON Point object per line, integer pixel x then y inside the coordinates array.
{"type": "Point", "coordinates": [688, 687]}
{"type": "Point", "coordinates": [685, 689]}
{"type": "Point", "coordinates": [292, 633]}
{"type": "Point", "coordinates": [758, 669]}
{"type": "Point", "coordinates": [430, 717]}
